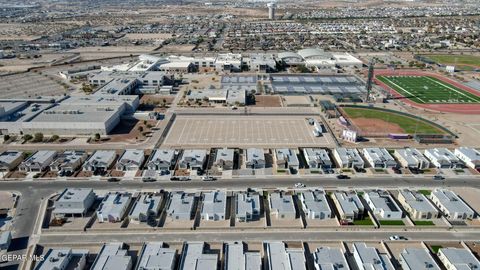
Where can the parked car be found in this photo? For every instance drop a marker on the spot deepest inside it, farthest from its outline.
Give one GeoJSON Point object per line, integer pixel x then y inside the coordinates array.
{"type": "Point", "coordinates": [438, 177]}
{"type": "Point", "coordinates": [148, 179]}
{"type": "Point", "coordinates": [300, 185]}
{"type": "Point", "coordinates": [113, 179]}
{"type": "Point", "coordinates": [397, 237]}
{"type": "Point", "coordinates": [209, 178]}
{"type": "Point", "coordinates": [343, 176]}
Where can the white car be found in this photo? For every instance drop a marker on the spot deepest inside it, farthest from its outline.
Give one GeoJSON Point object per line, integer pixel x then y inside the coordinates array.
{"type": "Point", "coordinates": [300, 185]}
{"type": "Point", "coordinates": [397, 237]}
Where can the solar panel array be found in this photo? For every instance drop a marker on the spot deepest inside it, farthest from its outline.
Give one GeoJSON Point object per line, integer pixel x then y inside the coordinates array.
{"type": "Point", "coordinates": [317, 85]}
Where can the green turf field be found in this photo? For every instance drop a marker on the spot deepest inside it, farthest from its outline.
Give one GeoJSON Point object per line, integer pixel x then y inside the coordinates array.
{"type": "Point", "coordinates": [408, 124]}
{"type": "Point", "coordinates": [428, 90]}
{"type": "Point", "coordinates": [452, 59]}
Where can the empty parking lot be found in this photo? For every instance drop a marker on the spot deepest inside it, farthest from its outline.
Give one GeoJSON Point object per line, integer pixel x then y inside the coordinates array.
{"type": "Point", "coordinates": [243, 131]}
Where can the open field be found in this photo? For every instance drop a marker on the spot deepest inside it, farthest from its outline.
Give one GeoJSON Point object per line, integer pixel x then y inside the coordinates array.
{"type": "Point", "coordinates": [243, 131]}
{"type": "Point", "coordinates": [452, 59]}
{"type": "Point", "coordinates": [428, 90]}
{"type": "Point", "coordinates": [370, 120]}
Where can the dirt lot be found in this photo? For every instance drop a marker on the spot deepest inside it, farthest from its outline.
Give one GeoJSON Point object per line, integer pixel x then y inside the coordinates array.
{"type": "Point", "coordinates": [267, 101]}
{"type": "Point", "coordinates": [369, 125]}
{"type": "Point", "coordinates": [129, 131]}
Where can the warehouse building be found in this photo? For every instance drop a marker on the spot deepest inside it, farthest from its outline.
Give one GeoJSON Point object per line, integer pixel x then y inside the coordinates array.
{"type": "Point", "coordinates": [9, 160]}
{"type": "Point", "coordinates": [470, 156]}
{"type": "Point", "coordinates": [63, 258]}
{"type": "Point", "coordinates": [214, 205]}
{"type": "Point", "coordinates": [236, 258]}
{"type": "Point", "coordinates": [281, 206]}
{"type": "Point", "coordinates": [368, 258]}
{"type": "Point", "coordinates": [247, 207]}
{"type": "Point", "coordinates": [261, 62]}
{"type": "Point", "coordinates": [326, 258]}
{"type": "Point", "coordinates": [229, 62]}
{"type": "Point", "coordinates": [74, 202]}
{"type": "Point", "coordinates": [113, 207]}
{"type": "Point", "coordinates": [317, 58]}
{"type": "Point", "coordinates": [180, 206]}
{"type": "Point", "coordinates": [315, 204]}
{"type": "Point", "coordinates": [68, 162]}
{"type": "Point", "coordinates": [155, 256]}
{"type": "Point", "coordinates": [287, 159]}
{"type": "Point", "coordinates": [411, 158]}
{"type": "Point", "coordinates": [255, 158]}
{"type": "Point", "coordinates": [383, 205]}
{"type": "Point", "coordinates": [196, 257]}
{"type": "Point", "coordinates": [162, 160]}
{"type": "Point", "coordinates": [349, 205]}
{"type": "Point", "coordinates": [279, 257]}
{"type": "Point", "coordinates": [348, 158]}
{"type": "Point", "coordinates": [38, 162]}
{"type": "Point", "coordinates": [458, 259]}
{"type": "Point", "coordinates": [417, 259]}
{"type": "Point", "coordinates": [452, 206]}
{"type": "Point", "coordinates": [417, 205]}
{"type": "Point", "coordinates": [131, 160]}
{"type": "Point", "coordinates": [113, 256]}
{"type": "Point", "coordinates": [224, 159]}
{"type": "Point", "coordinates": [379, 158]}
{"type": "Point", "coordinates": [193, 159]}
{"type": "Point", "coordinates": [290, 59]}
{"type": "Point", "coordinates": [100, 161]}
{"type": "Point", "coordinates": [443, 158]}
{"type": "Point", "coordinates": [317, 158]}
{"type": "Point", "coordinates": [146, 208]}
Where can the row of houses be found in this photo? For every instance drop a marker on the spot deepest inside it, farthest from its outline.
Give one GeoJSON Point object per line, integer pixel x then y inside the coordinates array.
{"type": "Point", "coordinates": [274, 255]}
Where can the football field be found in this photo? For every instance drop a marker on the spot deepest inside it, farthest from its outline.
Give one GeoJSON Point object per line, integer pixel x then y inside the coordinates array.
{"type": "Point", "coordinates": [428, 90]}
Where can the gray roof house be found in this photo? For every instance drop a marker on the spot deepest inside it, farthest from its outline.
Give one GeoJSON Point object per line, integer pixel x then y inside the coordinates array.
{"type": "Point", "coordinates": [161, 160]}
{"type": "Point", "coordinates": [368, 258]}
{"type": "Point", "coordinates": [417, 259]}
{"type": "Point", "coordinates": [411, 158]}
{"type": "Point", "coordinates": [63, 258]}
{"type": "Point", "coordinates": [329, 258]}
{"type": "Point", "coordinates": [247, 207]}
{"type": "Point", "coordinates": [255, 158]}
{"type": "Point", "coordinates": [238, 259]}
{"type": "Point", "coordinates": [145, 208]}
{"type": "Point", "coordinates": [193, 159]}
{"type": "Point", "coordinates": [74, 201]}
{"type": "Point", "coordinates": [348, 158]}
{"type": "Point", "coordinates": [287, 158]}
{"type": "Point", "coordinates": [180, 205]}
{"type": "Point", "coordinates": [214, 205]}
{"type": "Point", "coordinates": [280, 258]}
{"type": "Point", "coordinates": [383, 205]}
{"type": "Point", "coordinates": [317, 158]}
{"type": "Point", "coordinates": [194, 258]}
{"type": "Point", "coordinates": [443, 158]}
{"type": "Point", "coordinates": [470, 156]}
{"type": "Point", "coordinates": [224, 159]}
{"type": "Point", "coordinates": [281, 205]}
{"type": "Point", "coordinates": [315, 204]}
{"type": "Point", "coordinates": [417, 205]}
{"type": "Point", "coordinates": [69, 161]}
{"type": "Point", "coordinates": [113, 207]}
{"type": "Point", "coordinates": [113, 256]}
{"type": "Point", "coordinates": [155, 256]}
{"type": "Point", "coordinates": [100, 160]}
{"type": "Point", "coordinates": [10, 159]}
{"type": "Point", "coordinates": [349, 205]}
{"type": "Point", "coordinates": [38, 162]}
{"type": "Point", "coordinates": [458, 259]}
{"type": "Point", "coordinates": [452, 206]}
{"type": "Point", "coordinates": [379, 157]}
{"type": "Point", "coordinates": [131, 160]}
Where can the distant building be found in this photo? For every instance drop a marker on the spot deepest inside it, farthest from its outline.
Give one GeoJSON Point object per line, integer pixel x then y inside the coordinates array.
{"type": "Point", "coordinates": [315, 204]}
{"type": "Point", "coordinates": [113, 207]}
{"type": "Point", "coordinates": [9, 160]}
{"type": "Point", "coordinates": [194, 258]}
{"type": "Point", "coordinates": [368, 258]}
{"type": "Point", "coordinates": [64, 258]}
{"type": "Point", "coordinates": [247, 207]}
{"type": "Point", "coordinates": [290, 59]}
{"type": "Point", "coordinates": [146, 208]}
{"type": "Point", "coordinates": [279, 257]}
{"type": "Point", "coordinates": [113, 256]}
{"type": "Point", "coordinates": [224, 159]}
{"type": "Point", "coordinates": [383, 205]}
{"type": "Point", "coordinates": [74, 202]}
{"type": "Point", "coordinates": [470, 156]}
{"type": "Point", "coordinates": [155, 256]}
{"type": "Point", "coordinates": [255, 158]}
{"type": "Point", "coordinates": [458, 259]}
{"type": "Point", "coordinates": [417, 259]}
{"type": "Point", "coordinates": [131, 160]}
{"type": "Point", "coordinates": [193, 159]}
{"type": "Point", "coordinates": [287, 159]}
{"type": "Point", "coordinates": [162, 160]}
{"type": "Point", "coordinates": [443, 158]}
{"type": "Point", "coordinates": [317, 158]}
{"type": "Point", "coordinates": [180, 206]}
{"type": "Point", "coordinates": [411, 158]}
{"type": "Point", "coordinates": [214, 205]}
{"type": "Point", "coordinates": [328, 258]}
{"type": "Point", "coordinates": [238, 259]}
{"type": "Point", "coordinates": [379, 158]}
{"type": "Point", "coordinates": [281, 206]}
{"type": "Point", "coordinates": [38, 162]}
{"type": "Point", "coordinates": [348, 158]}
{"type": "Point", "coordinates": [68, 162]}
{"type": "Point", "coordinates": [100, 161]}
{"type": "Point", "coordinates": [452, 206]}
{"type": "Point", "coordinates": [349, 205]}
{"type": "Point", "coordinates": [228, 62]}
{"type": "Point", "coordinates": [261, 62]}
{"type": "Point", "coordinates": [417, 205]}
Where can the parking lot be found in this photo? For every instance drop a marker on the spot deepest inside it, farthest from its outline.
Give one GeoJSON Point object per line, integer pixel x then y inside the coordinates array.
{"type": "Point", "coordinates": [244, 131]}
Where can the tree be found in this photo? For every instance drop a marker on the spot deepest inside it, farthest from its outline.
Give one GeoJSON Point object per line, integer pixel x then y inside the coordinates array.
{"type": "Point", "coordinates": [27, 137]}
{"type": "Point", "coordinates": [140, 128]}
{"type": "Point", "coordinates": [97, 136]}
{"type": "Point", "coordinates": [54, 138]}
{"type": "Point", "coordinates": [38, 137]}
{"type": "Point", "coordinates": [6, 137]}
